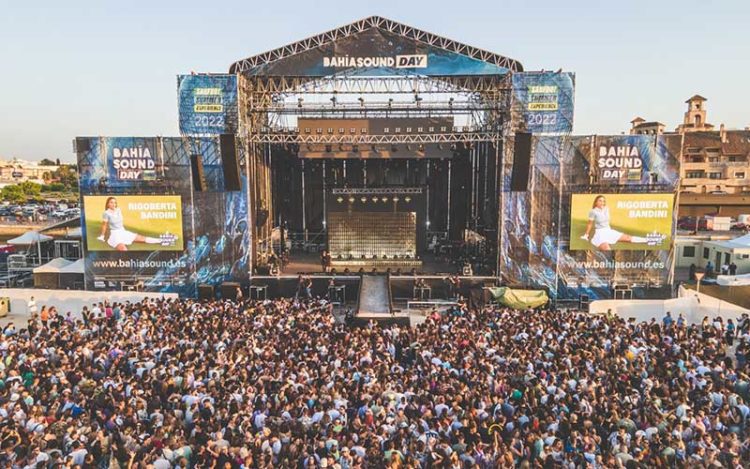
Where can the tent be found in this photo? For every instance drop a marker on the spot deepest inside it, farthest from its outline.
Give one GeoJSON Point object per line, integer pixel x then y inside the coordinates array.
{"type": "Point", "coordinates": [29, 238]}
{"type": "Point", "coordinates": [519, 298]}
{"type": "Point", "coordinates": [71, 276]}
{"type": "Point", "coordinates": [48, 275]}
{"type": "Point", "coordinates": [733, 280]}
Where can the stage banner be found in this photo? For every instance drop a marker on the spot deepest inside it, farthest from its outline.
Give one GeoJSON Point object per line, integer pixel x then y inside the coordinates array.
{"type": "Point", "coordinates": [634, 159]}
{"type": "Point", "coordinates": [131, 159]}
{"type": "Point", "coordinates": [544, 101]}
{"type": "Point", "coordinates": [208, 104]}
{"type": "Point", "coordinates": [133, 223]}
{"type": "Point", "coordinates": [374, 53]}
{"type": "Point", "coordinates": [614, 222]}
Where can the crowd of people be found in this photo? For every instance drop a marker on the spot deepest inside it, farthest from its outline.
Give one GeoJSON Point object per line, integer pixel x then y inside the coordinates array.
{"type": "Point", "coordinates": [283, 383]}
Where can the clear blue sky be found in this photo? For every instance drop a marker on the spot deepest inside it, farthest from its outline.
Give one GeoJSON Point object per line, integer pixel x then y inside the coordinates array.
{"type": "Point", "coordinates": [76, 67]}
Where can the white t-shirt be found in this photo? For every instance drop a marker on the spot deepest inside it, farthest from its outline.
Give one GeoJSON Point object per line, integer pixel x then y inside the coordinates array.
{"type": "Point", "coordinates": [600, 217]}
{"type": "Point", "coordinates": [113, 218]}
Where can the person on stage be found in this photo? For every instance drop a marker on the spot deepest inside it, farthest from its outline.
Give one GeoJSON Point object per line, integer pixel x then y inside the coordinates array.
{"type": "Point", "coordinates": [604, 236]}
{"type": "Point", "coordinates": [119, 238]}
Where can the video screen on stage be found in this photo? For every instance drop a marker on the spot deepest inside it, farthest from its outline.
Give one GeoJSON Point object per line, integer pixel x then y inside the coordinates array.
{"type": "Point", "coordinates": [621, 222]}
{"type": "Point", "coordinates": [133, 222]}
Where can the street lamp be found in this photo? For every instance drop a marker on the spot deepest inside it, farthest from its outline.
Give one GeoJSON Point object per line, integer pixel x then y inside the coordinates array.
{"type": "Point", "coordinates": [698, 277]}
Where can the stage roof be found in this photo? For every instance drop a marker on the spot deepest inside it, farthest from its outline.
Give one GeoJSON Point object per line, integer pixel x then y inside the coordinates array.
{"type": "Point", "coordinates": [376, 46]}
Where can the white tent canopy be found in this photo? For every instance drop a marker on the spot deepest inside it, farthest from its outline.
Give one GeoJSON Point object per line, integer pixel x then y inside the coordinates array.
{"type": "Point", "coordinates": [733, 280]}
{"type": "Point", "coordinates": [73, 267]}
{"type": "Point", "coordinates": [53, 267]}
{"type": "Point", "coordinates": [742, 243]}
{"type": "Point", "coordinates": [29, 238]}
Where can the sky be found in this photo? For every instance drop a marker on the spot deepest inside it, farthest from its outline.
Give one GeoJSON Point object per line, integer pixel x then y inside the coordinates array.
{"type": "Point", "coordinates": [83, 68]}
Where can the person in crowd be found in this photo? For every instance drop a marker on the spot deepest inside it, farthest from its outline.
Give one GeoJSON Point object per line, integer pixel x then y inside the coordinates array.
{"type": "Point", "coordinates": [170, 383]}
{"type": "Point", "coordinates": [31, 306]}
{"type": "Point", "coordinates": [732, 268]}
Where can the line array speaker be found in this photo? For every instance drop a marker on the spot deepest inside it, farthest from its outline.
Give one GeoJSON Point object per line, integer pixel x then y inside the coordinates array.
{"type": "Point", "coordinates": [519, 180]}
{"type": "Point", "coordinates": [199, 178]}
{"type": "Point", "coordinates": [229, 163]}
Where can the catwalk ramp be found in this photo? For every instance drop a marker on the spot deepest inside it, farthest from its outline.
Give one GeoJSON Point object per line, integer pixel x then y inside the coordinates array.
{"type": "Point", "coordinates": [374, 297]}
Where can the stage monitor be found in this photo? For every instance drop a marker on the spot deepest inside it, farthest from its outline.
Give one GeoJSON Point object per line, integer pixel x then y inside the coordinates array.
{"type": "Point", "coordinates": [621, 222]}
{"type": "Point", "coordinates": [133, 223]}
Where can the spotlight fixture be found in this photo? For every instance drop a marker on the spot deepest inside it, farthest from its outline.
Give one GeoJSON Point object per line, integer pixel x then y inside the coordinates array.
{"type": "Point", "coordinates": [374, 148]}
{"type": "Point", "coordinates": [363, 199]}
{"type": "Point", "coordinates": [341, 147]}
{"type": "Point", "coordinates": [328, 148]}
{"type": "Point", "coordinates": [299, 102]}
{"type": "Point", "coordinates": [421, 147]}
{"type": "Point", "coordinates": [407, 199]}
{"type": "Point", "coordinates": [390, 103]}
{"type": "Point", "coordinates": [450, 102]}
{"type": "Point", "coordinates": [394, 148]}
{"type": "Point", "coordinates": [355, 148]}
{"type": "Point", "coordinates": [351, 199]}
{"type": "Point", "coordinates": [395, 198]}
{"type": "Point", "coordinates": [309, 147]}
{"type": "Point", "coordinates": [384, 199]}
{"type": "Point", "coordinates": [374, 199]}
{"type": "Point", "coordinates": [361, 101]}
{"type": "Point", "coordinates": [339, 199]}
{"type": "Point", "coordinates": [333, 100]}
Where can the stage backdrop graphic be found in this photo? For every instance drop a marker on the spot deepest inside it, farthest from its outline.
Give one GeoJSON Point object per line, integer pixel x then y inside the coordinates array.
{"type": "Point", "coordinates": [131, 158]}
{"type": "Point", "coordinates": [149, 216]}
{"type": "Point", "coordinates": [544, 101]}
{"type": "Point", "coordinates": [214, 223]}
{"type": "Point", "coordinates": [207, 104]}
{"type": "Point", "coordinates": [646, 216]}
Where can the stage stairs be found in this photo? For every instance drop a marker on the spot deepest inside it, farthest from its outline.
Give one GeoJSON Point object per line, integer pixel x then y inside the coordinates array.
{"type": "Point", "coordinates": [374, 297]}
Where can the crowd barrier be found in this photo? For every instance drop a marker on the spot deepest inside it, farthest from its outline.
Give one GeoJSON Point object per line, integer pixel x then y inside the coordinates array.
{"type": "Point", "coordinates": [694, 307]}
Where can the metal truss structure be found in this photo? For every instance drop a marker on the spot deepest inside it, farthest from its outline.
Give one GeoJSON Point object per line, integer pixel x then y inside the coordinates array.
{"type": "Point", "coordinates": [448, 138]}
{"type": "Point", "coordinates": [270, 105]}
{"type": "Point", "coordinates": [319, 40]}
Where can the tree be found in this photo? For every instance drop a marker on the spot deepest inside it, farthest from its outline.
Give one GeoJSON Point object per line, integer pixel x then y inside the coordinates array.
{"type": "Point", "coordinates": [31, 189]}
{"type": "Point", "coordinates": [13, 194]}
{"type": "Point", "coordinates": [67, 175]}
{"type": "Point", "coordinates": [47, 162]}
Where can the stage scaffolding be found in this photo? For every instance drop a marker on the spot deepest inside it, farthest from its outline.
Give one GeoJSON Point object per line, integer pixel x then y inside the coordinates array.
{"type": "Point", "coordinates": [270, 107]}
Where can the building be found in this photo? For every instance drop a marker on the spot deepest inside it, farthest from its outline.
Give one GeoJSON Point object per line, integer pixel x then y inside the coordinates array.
{"type": "Point", "coordinates": [711, 161]}
{"type": "Point", "coordinates": [716, 162]}
{"type": "Point", "coordinates": [641, 127]}
{"type": "Point", "coordinates": [695, 116]}
{"type": "Point", "coordinates": [16, 171]}
{"type": "Point", "coordinates": [699, 251]}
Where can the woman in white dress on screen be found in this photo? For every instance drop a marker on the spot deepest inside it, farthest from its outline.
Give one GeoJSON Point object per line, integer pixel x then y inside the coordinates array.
{"type": "Point", "coordinates": [604, 236]}
{"type": "Point", "coordinates": [119, 238]}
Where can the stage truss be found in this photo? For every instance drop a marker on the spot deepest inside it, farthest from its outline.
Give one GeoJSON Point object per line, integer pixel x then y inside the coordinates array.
{"type": "Point", "coordinates": [270, 107]}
